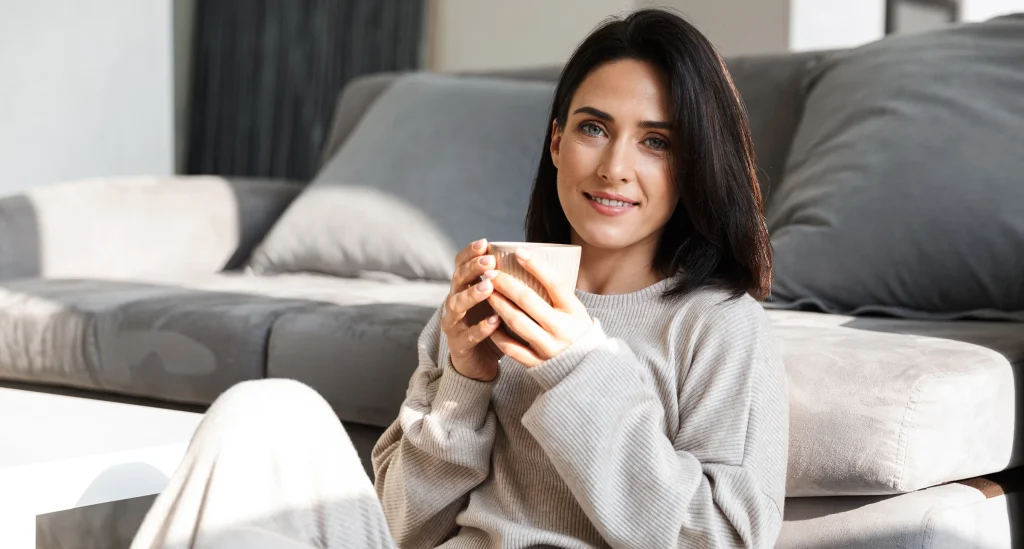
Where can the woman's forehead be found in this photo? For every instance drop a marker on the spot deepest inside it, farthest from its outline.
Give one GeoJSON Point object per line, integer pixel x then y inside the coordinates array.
{"type": "Point", "coordinates": [629, 87]}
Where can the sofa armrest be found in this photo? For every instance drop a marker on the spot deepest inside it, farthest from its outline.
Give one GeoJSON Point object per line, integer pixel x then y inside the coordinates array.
{"type": "Point", "coordinates": [125, 226]}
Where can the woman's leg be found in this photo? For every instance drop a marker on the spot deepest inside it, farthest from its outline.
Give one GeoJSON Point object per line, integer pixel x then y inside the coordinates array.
{"type": "Point", "coordinates": [269, 466]}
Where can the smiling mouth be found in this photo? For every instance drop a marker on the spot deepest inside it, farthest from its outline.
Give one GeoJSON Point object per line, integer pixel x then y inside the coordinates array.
{"type": "Point", "coordinates": [611, 203]}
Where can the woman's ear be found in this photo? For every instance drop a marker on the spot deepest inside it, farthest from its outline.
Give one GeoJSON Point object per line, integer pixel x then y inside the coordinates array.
{"type": "Point", "coordinates": [556, 142]}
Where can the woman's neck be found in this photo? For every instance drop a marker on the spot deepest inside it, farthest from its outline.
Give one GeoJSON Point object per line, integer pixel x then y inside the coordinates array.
{"type": "Point", "coordinates": [620, 271]}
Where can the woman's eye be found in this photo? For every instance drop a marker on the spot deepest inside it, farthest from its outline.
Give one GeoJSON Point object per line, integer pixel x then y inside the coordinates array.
{"type": "Point", "coordinates": [590, 129]}
{"type": "Point", "coordinates": [656, 143]}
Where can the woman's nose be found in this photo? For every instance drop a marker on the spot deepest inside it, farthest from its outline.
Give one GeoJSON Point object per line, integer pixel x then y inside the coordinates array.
{"type": "Point", "coordinates": [617, 165]}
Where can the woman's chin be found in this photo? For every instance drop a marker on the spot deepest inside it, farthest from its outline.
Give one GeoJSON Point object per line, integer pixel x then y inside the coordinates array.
{"type": "Point", "coordinates": [605, 240]}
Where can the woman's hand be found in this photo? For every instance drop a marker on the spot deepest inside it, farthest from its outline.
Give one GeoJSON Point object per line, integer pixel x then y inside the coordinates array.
{"type": "Point", "coordinates": [469, 357]}
{"type": "Point", "coordinates": [549, 329]}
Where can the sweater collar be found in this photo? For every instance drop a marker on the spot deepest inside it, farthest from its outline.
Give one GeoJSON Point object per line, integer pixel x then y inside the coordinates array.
{"type": "Point", "coordinates": [615, 301]}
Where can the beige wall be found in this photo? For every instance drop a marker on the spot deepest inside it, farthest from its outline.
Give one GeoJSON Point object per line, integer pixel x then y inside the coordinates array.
{"type": "Point", "coordinates": [735, 27]}
{"type": "Point", "coordinates": [467, 35]}
{"type": "Point", "coordinates": [738, 27]}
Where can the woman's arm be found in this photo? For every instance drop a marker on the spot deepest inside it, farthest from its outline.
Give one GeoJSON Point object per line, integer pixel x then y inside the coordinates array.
{"type": "Point", "coordinates": [717, 482]}
{"type": "Point", "coordinates": [438, 449]}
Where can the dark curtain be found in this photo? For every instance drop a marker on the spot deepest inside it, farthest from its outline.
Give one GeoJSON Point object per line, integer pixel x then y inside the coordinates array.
{"type": "Point", "coordinates": [266, 75]}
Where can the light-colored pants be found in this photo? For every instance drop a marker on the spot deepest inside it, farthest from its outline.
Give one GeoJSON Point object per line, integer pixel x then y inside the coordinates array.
{"type": "Point", "coordinates": [269, 466]}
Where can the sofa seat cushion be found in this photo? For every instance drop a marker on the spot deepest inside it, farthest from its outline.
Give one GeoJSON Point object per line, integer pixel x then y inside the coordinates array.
{"type": "Point", "coordinates": [175, 338]}
{"type": "Point", "coordinates": [883, 406]}
{"type": "Point", "coordinates": [163, 339]}
{"type": "Point", "coordinates": [948, 516]}
{"type": "Point", "coordinates": [358, 355]}
{"type": "Point", "coordinates": [317, 290]}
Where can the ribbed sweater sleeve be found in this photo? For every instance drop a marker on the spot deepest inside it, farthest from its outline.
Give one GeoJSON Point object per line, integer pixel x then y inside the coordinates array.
{"type": "Point", "coordinates": [718, 480]}
{"type": "Point", "coordinates": [438, 449]}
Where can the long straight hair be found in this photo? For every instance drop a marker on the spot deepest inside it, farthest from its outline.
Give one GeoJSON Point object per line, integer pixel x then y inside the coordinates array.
{"type": "Point", "coordinates": [717, 235]}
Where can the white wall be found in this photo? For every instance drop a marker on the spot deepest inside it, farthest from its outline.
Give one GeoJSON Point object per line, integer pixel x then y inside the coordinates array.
{"type": "Point", "coordinates": [829, 24]}
{"type": "Point", "coordinates": [468, 35]}
{"type": "Point", "coordinates": [87, 90]}
{"type": "Point", "coordinates": [980, 10]}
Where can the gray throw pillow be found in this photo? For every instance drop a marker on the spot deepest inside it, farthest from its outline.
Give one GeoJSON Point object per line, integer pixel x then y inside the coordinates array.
{"type": "Point", "coordinates": [435, 163]}
{"type": "Point", "coordinates": [904, 188]}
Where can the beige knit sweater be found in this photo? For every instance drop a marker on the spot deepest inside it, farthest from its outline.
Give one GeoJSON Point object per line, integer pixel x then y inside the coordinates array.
{"type": "Point", "coordinates": [665, 425]}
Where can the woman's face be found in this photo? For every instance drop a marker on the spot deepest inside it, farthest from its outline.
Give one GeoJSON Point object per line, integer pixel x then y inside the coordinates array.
{"type": "Point", "coordinates": [614, 181]}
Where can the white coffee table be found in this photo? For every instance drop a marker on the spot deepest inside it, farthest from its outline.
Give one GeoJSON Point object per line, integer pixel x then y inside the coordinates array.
{"type": "Point", "coordinates": [61, 452]}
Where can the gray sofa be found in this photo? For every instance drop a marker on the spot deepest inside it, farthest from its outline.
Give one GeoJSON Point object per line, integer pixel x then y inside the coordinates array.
{"type": "Point", "coordinates": [905, 431]}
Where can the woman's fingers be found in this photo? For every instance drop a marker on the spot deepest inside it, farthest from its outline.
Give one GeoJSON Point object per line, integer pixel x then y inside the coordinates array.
{"type": "Point", "coordinates": [515, 350]}
{"type": "Point", "coordinates": [468, 339]}
{"type": "Point", "coordinates": [562, 296]}
{"type": "Point", "coordinates": [467, 266]}
{"type": "Point", "coordinates": [519, 322]}
{"type": "Point", "coordinates": [459, 303]}
{"type": "Point", "coordinates": [470, 271]}
{"type": "Point", "coordinates": [527, 300]}
{"type": "Point", "coordinates": [472, 250]}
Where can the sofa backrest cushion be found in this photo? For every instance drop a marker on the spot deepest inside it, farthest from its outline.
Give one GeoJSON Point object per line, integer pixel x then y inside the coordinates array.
{"type": "Point", "coordinates": [904, 189]}
{"type": "Point", "coordinates": [353, 102]}
{"type": "Point", "coordinates": [124, 226]}
{"type": "Point", "coordinates": [773, 93]}
{"type": "Point", "coordinates": [436, 162]}
{"type": "Point", "coordinates": [771, 86]}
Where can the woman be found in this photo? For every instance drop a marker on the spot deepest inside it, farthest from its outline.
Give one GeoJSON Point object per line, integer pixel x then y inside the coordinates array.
{"type": "Point", "coordinates": [649, 408]}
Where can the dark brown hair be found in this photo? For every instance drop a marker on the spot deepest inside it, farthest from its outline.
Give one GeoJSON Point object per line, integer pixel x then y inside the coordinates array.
{"type": "Point", "coordinates": [717, 235]}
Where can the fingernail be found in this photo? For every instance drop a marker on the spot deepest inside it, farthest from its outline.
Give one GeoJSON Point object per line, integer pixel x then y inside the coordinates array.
{"type": "Point", "coordinates": [493, 319]}
{"type": "Point", "coordinates": [484, 260]}
{"type": "Point", "coordinates": [523, 254]}
{"type": "Point", "coordinates": [482, 287]}
{"type": "Point", "coordinates": [479, 244]}
{"type": "Point", "coordinates": [490, 274]}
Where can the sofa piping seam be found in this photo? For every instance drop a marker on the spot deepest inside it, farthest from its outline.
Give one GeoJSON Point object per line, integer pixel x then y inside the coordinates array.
{"type": "Point", "coordinates": [911, 408]}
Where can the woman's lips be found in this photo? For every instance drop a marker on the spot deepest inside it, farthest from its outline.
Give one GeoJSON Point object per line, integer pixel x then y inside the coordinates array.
{"type": "Point", "coordinates": [605, 209]}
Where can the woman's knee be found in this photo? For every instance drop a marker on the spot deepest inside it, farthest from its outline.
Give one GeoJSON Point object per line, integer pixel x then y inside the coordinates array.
{"type": "Point", "coordinates": [263, 394]}
{"type": "Point", "coordinates": [271, 407]}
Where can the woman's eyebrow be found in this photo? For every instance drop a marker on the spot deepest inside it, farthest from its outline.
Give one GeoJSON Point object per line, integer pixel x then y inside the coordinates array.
{"type": "Point", "coordinates": [655, 125]}
{"type": "Point", "coordinates": [595, 113]}
{"type": "Point", "coordinates": [646, 124]}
